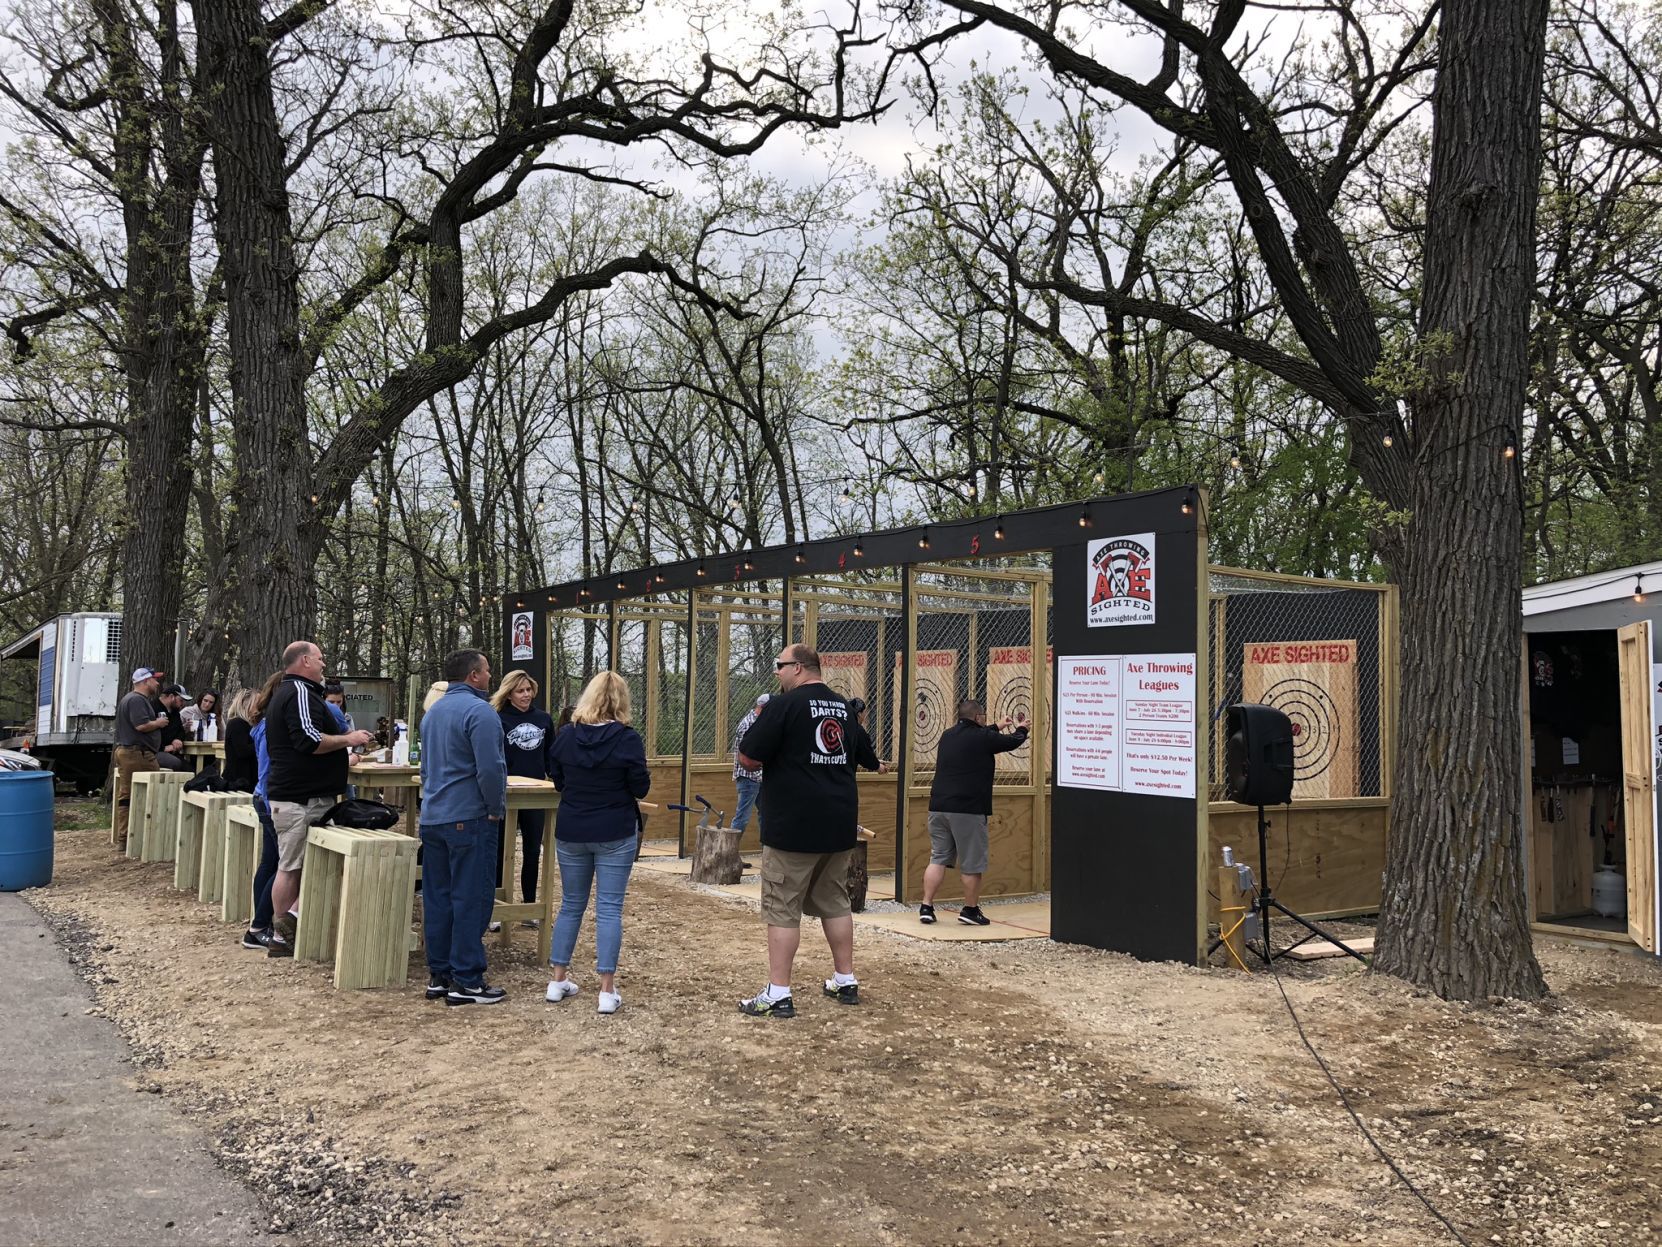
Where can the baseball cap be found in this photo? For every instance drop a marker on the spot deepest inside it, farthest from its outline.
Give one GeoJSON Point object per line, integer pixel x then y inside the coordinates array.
{"type": "Point", "coordinates": [176, 690]}
{"type": "Point", "coordinates": [141, 674]}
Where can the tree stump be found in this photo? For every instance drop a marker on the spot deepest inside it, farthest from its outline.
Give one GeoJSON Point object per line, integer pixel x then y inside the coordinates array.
{"type": "Point", "coordinates": [857, 878]}
{"type": "Point", "coordinates": [716, 856]}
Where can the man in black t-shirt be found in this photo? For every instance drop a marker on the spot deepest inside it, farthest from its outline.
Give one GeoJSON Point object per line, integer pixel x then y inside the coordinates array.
{"type": "Point", "coordinates": [810, 818]}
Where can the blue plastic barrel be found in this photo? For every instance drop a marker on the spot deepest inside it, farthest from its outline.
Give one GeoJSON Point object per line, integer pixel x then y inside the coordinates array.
{"type": "Point", "coordinates": [25, 829]}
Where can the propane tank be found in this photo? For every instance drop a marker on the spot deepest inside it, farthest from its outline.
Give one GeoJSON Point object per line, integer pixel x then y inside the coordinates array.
{"type": "Point", "coordinates": [1609, 893]}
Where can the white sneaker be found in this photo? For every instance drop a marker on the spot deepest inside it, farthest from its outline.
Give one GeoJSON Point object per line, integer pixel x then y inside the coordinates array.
{"type": "Point", "coordinates": [558, 991]}
{"type": "Point", "coordinates": [610, 1002]}
{"type": "Point", "coordinates": [495, 928]}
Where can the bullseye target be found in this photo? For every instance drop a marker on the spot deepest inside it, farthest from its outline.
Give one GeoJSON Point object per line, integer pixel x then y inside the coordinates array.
{"type": "Point", "coordinates": [935, 681]}
{"type": "Point", "coordinates": [1314, 684]}
{"type": "Point", "coordinates": [1013, 705]}
{"type": "Point", "coordinates": [1317, 731]}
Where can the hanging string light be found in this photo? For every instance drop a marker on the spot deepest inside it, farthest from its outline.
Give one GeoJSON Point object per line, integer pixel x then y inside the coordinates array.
{"type": "Point", "coordinates": [1510, 450]}
{"type": "Point", "coordinates": [1190, 501]}
{"type": "Point", "coordinates": [1085, 517]}
{"type": "Point", "coordinates": [998, 529]}
{"type": "Point", "coordinates": [1387, 441]}
{"type": "Point", "coordinates": [1235, 456]}
{"type": "Point", "coordinates": [1639, 588]}
{"type": "Point", "coordinates": [923, 538]}
{"type": "Point", "coordinates": [801, 555]}
{"type": "Point", "coordinates": [859, 550]}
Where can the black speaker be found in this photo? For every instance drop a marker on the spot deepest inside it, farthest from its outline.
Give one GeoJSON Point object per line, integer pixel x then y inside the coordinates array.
{"type": "Point", "coordinates": [1258, 755]}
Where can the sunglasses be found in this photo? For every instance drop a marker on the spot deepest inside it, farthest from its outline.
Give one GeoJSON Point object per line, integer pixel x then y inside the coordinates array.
{"type": "Point", "coordinates": [787, 663]}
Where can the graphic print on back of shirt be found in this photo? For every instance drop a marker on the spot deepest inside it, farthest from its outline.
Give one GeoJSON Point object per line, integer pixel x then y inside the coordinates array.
{"type": "Point", "coordinates": [829, 734]}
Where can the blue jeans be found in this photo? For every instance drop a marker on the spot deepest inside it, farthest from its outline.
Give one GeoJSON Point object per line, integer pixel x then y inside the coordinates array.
{"type": "Point", "coordinates": [748, 788]}
{"type": "Point", "coordinates": [267, 870]}
{"type": "Point", "coordinates": [458, 864]}
{"type": "Point", "coordinates": [606, 864]}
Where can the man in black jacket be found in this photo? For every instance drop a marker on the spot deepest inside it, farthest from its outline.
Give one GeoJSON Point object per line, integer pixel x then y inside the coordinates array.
{"type": "Point", "coordinates": [960, 803]}
{"type": "Point", "coordinates": [308, 760]}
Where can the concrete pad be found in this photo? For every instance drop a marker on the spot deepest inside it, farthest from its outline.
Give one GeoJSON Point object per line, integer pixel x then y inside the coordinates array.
{"type": "Point", "coordinates": [85, 1157]}
{"type": "Point", "coordinates": [1023, 920]}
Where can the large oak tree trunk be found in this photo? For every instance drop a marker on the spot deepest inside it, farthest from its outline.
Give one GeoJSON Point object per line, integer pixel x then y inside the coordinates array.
{"type": "Point", "coordinates": [272, 544]}
{"type": "Point", "coordinates": [162, 332]}
{"type": "Point", "coordinates": [1454, 916]}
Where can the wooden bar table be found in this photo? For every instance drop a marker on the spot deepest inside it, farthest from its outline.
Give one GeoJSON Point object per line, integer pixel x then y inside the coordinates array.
{"type": "Point", "coordinates": [528, 794]}
{"type": "Point", "coordinates": [196, 750]}
{"type": "Point", "coordinates": [386, 777]}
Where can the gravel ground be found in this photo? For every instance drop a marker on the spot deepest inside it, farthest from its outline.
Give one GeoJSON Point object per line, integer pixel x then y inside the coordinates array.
{"type": "Point", "coordinates": [1022, 1092]}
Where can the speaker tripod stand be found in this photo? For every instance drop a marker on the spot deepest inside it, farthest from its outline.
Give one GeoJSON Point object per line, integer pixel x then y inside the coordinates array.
{"type": "Point", "coordinates": [1264, 901]}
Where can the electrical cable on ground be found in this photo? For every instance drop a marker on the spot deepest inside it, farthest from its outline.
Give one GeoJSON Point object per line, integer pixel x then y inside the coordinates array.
{"type": "Point", "coordinates": [1354, 1115]}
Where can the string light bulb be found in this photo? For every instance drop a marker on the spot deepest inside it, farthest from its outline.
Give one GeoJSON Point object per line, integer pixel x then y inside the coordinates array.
{"type": "Point", "coordinates": [1639, 587]}
{"type": "Point", "coordinates": [700, 573]}
{"type": "Point", "coordinates": [801, 555]}
{"type": "Point", "coordinates": [848, 492]}
{"type": "Point", "coordinates": [1387, 441]}
{"type": "Point", "coordinates": [859, 550]}
{"type": "Point", "coordinates": [1510, 450]}
{"type": "Point", "coordinates": [734, 504]}
{"type": "Point", "coordinates": [923, 538]}
{"type": "Point", "coordinates": [1235, 456]}
{"type": "Point", "coordinates": [1085, 517]}
{"type": "Point", "coordinates": [998, 529]}
{"type": "Point", "coordinates": [1097, 479]}
{"type": "Point", "coordinates": [1189, 501]}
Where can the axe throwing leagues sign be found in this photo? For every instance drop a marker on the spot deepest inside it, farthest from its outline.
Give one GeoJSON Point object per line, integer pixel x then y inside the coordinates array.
{"type": "Point", "coordinates": [1120, 581]}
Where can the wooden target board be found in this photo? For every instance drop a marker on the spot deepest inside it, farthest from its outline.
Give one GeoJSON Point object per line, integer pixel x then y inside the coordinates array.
{"type": "Point", "coordinates": [935, 676]}
{"type": "Point", "coordinates": [845, 673]}
{"type": "Point", "coordinates": [1010, 698]}
{"type": "Point", "coordinates": [1314, 684]}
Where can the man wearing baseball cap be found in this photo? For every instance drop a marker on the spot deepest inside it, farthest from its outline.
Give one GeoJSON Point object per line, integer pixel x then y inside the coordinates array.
{"type": "Point", "coordinates": [138, 738]}
{"type": "Point", "coordinates": [171, 755]}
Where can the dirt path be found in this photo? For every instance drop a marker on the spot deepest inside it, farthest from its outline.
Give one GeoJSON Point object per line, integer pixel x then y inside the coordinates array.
{"type": "Point", "coordinates": [1017, 1093]}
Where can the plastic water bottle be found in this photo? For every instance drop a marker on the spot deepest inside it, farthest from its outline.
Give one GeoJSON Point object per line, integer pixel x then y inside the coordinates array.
{"type": "Point", "coordinates": [401, 744]}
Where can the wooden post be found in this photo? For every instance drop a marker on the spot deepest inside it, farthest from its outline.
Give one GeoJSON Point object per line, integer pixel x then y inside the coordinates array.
{"type": "Point", "coordinates": [654, 653]}
{"type": "Point", "coordinates": [1233, 906]}
{"type": "Point", "coordinates": [687, 743]}
{"type": "Point", "coordinates": [724, 663]}
{"type": "Point", "coordinates": [1038, 744]}
{"type": "Point", "coordinates": [903, 788]}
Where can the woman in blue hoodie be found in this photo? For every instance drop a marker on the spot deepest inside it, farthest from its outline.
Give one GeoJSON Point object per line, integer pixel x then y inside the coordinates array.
{"type": "Point", "coordinates": [599, 766]}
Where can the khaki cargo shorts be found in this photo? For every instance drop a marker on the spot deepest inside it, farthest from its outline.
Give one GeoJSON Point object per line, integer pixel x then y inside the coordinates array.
{"type": "Point", "coordinates": [794, 884]}
{"type": "Point", "coordinates": [292, 820]}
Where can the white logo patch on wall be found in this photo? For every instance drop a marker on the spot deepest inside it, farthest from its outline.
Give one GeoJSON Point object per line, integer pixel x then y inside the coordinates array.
{"type": "Point", "coordinates": [526, 736]}
{"type": "Point", "coordinates": [522, 647]}
{"type": "Point", "coordinates": [1119, 581]}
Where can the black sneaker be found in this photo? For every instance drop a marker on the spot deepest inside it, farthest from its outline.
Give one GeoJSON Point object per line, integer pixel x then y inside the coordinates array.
{"type": "Point", "coordinates": [252, 938]}
{"type": "Point", "coordinates": [437, 988]}
{"type": "Point", "coordinates": [484, 994]}
{"type": "Point", "coordinates": [926, 915]}
{"type": "Point", "coordinates": [759, 1006]}
{"type": "Point", "coordinates": [971, 916]}
{"type": "Point", "coordinates": [846, 995]}
{"type": "Point", "coordinates": [276, 946]}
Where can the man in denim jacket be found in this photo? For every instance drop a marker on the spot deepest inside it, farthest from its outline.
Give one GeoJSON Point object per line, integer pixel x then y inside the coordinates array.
{"type": "Point", "coordinates": [464, 795]}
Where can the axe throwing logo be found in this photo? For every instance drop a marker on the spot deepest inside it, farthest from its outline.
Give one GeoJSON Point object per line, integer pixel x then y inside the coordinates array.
{"type": "Point", "coordinates": [522, 646]}
{"type": "Point", "coordinates": [1120, 581]}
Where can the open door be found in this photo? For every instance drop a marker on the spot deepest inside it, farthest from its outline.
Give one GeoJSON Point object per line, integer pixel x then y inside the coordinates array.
{"type": "Point", "coordinates": [1638, 796]}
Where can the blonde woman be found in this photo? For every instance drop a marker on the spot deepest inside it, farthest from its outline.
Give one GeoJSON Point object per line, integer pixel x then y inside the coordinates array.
{"type": "Point", "coordinates": [527, 732]}
{"type": "Point", "coordinates": [599, 766]}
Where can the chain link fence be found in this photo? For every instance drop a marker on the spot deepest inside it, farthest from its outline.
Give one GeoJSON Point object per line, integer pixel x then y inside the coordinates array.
{"type": "Point", "coordinates": [1315, 650]}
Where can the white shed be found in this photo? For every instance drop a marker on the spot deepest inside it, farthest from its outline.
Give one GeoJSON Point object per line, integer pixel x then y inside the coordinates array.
{"type": "Point", "coordinates": [1592, 706]}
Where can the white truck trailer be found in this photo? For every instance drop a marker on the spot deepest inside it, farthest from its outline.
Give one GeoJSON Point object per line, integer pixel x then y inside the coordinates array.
{"type": "Point", "coordinates": [71, 726]}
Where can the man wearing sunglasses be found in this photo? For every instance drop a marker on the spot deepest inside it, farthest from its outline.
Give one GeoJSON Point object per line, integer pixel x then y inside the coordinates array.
{"type": "Point", "coordinates": [809, 816]}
